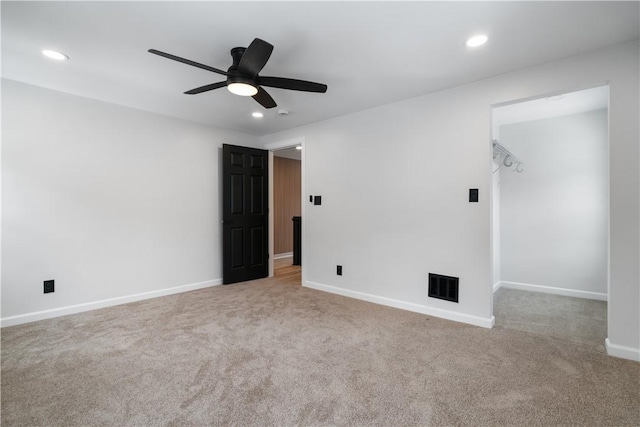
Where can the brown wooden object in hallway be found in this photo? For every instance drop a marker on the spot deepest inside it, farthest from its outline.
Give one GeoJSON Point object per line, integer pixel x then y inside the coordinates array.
{"type": "Point", "coordinates": [286, 201]}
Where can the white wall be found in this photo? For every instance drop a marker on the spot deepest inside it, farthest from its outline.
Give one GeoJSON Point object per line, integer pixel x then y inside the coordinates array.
{"type": "Point", "coordinates": [395, 182]}
{"type": "Point", "coordinates": [555, 214]}
{"type": "Point", "coordinates": [108, 201]}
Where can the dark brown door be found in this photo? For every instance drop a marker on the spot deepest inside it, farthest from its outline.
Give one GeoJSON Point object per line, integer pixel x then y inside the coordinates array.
{"type": "Point", "coordinates": [245, 251]}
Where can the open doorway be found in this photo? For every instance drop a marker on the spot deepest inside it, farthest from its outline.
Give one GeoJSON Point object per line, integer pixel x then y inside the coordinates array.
{"type": "Point", "coordinates": [551, 215]}
{"type": "Point", "coordinates": [287, 211]}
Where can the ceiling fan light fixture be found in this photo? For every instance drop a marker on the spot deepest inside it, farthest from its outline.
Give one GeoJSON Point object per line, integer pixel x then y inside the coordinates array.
{"type": "Point", "coordinates": [257, 114]}
{"type": "Point", "coordinates": [242, 75]}
{"type": "Point", "coordinates": [242, 89]}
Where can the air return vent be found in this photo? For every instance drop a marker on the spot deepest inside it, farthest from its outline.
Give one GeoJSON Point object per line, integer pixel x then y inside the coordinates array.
{"type": "Point", "coordinates": [443, 287]}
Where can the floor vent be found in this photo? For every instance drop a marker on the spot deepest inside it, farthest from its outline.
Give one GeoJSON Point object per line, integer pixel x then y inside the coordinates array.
{"type": "Point", "coordinates": [443, 287]}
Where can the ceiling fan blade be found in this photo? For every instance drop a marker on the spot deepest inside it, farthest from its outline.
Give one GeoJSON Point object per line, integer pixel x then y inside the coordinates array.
{"type": "Point", "coordinates": [264, 98]}
{"type": "Point", "coordinates": [255, 57]}
{"type": "Point", "coordinates": [292, 84]}
{"type": "Point", "coordinates": [187, 61]}
{"type": "Point", "coordinates": [206, 88]}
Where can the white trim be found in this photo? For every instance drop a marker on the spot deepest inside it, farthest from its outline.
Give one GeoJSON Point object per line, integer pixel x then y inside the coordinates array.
{"type": "Point", "coordinates": [270, 217]}
{"type": "Point", "coordinates": [418, 308]}
{"type": "Point", "coordinates": [79, 308]}
{"type": "Point", "coordinates": [303, 209]}
{"type": "Point", "coordinates": [277, 146]}
{"type": "Point", "coordinates": [496, 286]}
{"type": "Point", "coordinates": [622, 351]}
{"type": "Point", "coordinates": [552, 290]}
{"type": "Point", "coordinates": [283, 255]}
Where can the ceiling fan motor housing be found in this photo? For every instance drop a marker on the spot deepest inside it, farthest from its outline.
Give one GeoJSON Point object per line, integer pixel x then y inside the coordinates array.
{"type": "Point", "coordinates": [234, 75]}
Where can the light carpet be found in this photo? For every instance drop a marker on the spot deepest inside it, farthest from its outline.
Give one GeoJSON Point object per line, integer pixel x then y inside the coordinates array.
{"type": "Point", "coordinates": [272, 353]}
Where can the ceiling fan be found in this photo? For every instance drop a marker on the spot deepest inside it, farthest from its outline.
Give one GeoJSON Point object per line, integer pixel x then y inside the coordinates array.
{"type": "Point", "coordinates": [242, 76]}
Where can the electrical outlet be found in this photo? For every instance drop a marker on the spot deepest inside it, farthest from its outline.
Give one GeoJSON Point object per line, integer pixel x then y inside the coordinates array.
{"type": "Point", "coordinates": [339, 270]}
{"type": "Point", "coordinates": [49, 286]}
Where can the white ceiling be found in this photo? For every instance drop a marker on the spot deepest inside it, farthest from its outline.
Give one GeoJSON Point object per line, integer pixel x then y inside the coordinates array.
{"type": "Point", "coordinates": [368, 53]}
{"type": "Point", "coordinates": [562, 104]}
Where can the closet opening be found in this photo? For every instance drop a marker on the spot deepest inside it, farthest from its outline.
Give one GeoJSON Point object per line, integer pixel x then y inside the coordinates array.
{"type": "Point", "coordinates": [550, 215]}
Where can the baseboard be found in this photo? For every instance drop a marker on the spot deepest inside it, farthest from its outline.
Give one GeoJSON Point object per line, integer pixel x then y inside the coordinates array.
{"type": "Point", "coordinates": [622, 351]}
{"type": "Point", "coordinates": [418, 308]}
{"type": "Point", "coordinates": [284, 255]}
{"type": "Point", "coordinates": [79, 308]}
{"type": "Point", "coordinates": [496, 286]}
{"type": "Point", "coordinates": [551, 290]}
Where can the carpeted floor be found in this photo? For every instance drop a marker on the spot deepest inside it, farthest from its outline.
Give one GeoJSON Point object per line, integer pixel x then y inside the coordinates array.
{"type": "Point", "coordinates": [569, 319]}
{"type": "Point", "coordinates": [271, 352]}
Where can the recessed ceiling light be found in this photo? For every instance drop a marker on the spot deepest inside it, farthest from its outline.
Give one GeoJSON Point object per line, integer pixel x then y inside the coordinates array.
{"type": "Point", "coordinates": [476, 41]}
{"type": "Point", "coordinates": [59, 56]}
{"type": "Point", "coordinates": [299, 147]}
{"type": "Point", "coordinates": [554, 98]}
{"type": "Point", "coordinates": [257, 114]}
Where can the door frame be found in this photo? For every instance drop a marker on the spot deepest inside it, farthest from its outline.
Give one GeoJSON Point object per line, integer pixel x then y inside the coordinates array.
{"type": "Point", "coordinates": [271, 147]}
{"type": "Point", "coordinates": [491, 194]}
